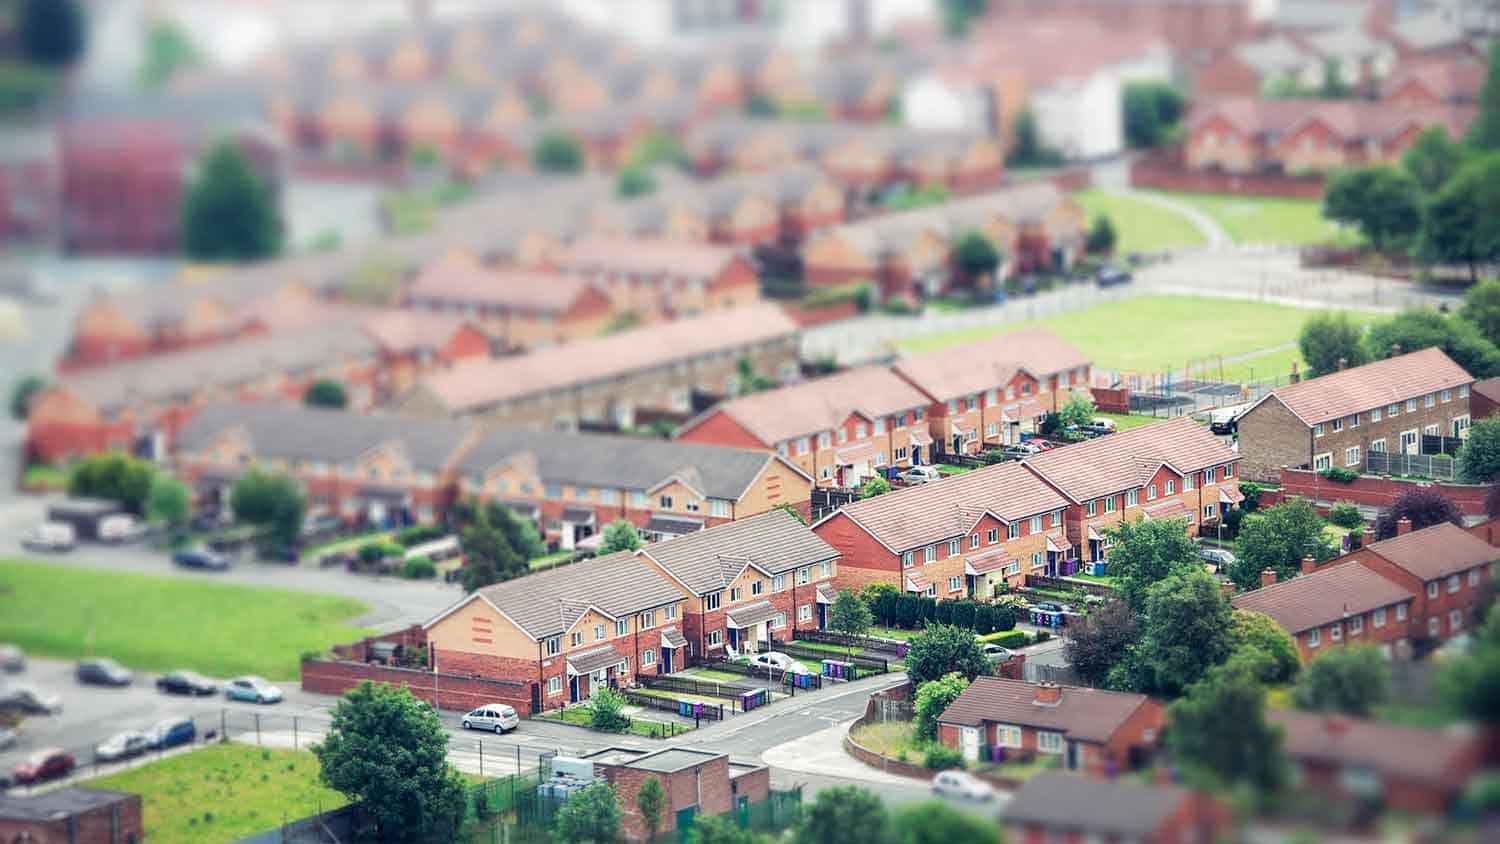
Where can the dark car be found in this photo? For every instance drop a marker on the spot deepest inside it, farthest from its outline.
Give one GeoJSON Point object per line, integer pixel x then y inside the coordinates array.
{"type": "Point", "coordinates": [102, 672]}
{"type": "Point", "coordinates": [45, 765]}
{"type": "Point", "coordinates": [192, 558]}
{"type": "Point", "coordinates": [186, 683]}
{"type": "Point", "coordinates": [173, 732]}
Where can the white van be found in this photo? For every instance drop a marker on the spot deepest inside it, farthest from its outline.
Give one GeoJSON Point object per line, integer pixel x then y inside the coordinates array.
{"type": "Point", "coordinates": [51, 536]}
{"type": "Point", "coordinates": [493, 716]}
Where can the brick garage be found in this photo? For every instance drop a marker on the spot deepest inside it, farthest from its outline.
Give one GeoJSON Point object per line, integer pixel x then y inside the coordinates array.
{"type": "Point", "coordinates": [72, 816]}
{"type": "Point", "coordinates": [451, 691]}
{"type": "Point", "coordinates": [709, 782]}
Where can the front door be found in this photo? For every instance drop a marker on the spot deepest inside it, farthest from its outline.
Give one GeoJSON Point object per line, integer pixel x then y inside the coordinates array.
{"type": "Point", "coordinates": [573, 689]}
{"type": "Point", "coordinates": [666, 660]}
{"type": "Point", "coordinates": [1072, 755]}
{"type": "Point", "coordinates": [822, 616]}
{"type": "Point", "coordinates": [969, 738]}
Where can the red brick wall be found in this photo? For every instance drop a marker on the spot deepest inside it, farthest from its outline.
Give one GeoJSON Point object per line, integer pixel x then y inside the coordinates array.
{"type": "Point", "coordinates": [718, 428]}
{"type": "Point", "coordinates": [705, 787]}
{"type": "Point", "coordinates": [91, 827]}
{"type": "Point", "coordinates": [1148, 173]}
{"type": "Point", "coordinates": [453, 691]}
{"type": "Point", "coordinates": [862, 560]}
{"type": "Point", "coordinates": [1378, 492]}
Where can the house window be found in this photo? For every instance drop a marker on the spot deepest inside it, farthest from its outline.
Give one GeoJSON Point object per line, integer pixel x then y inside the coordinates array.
{"type": "Point", "coordinates": [825, 569]}
{"type": "Point", "coordinates": [1323, 461]}
{"type": "Point", "coordinates": [1434, 626]}
{"type": "Point", "coordinates": [1187, 482]}
{"type": "Point", "coordinates": [803, 446]}
{"type": "Point", "coordinates": [804, 612]}
{"type": "Point", "coordinates": [648, 619]}
{"type": "Point", "coordinates": [718, 508]}
{"type": "Point", "coordinates": [917, 414]}
{"type": "Point", "coordinates": [859, 430]}
{"type": "Point", "coordinates": [552, 490]}
{"type": "Point", "coordinates": [1392, 409]}
{"type": "Point", "coordinates": [906, 559]}
{"type": "Point", "coordinates": [1208, 476]}
{"type": "Point", "coordinates": [598, 632]}
{"type": "Point", "coordinates": [665, 502]}
{"type": "Point", "coordinates": [1375, 415]}
{"type": "Point", "coordinates": [1036, 524]}
{"type": "Point", "coordinates": [693, 505]}
{"type": "Point", "coordinates": [1400, 612]}
{"type": "Point", "coordinates": [1049, 742]}
{"type": "Point", "coordinates": [1429, 400]}
{"type": "Point", "coordinates": [973, 541]}
{"type": "Point", "coordinates": [929, 554]}
{"type": "Point", "coordinates": [1132, 497]}
{"type": "Point", "coordinates": [992, 536]}
{"type": "Point", "coordinates": [843, 436]}
{"type": "Point", "coordinates": [1356, 625]}
{"type": "Point", "coordinates": [553, 646]}
{"type": "Point", "coordinates": [638, 500]}
{"type": "Point", "coordinates": [954, 548]}
{"type": "Point", "coordinates": [1455, 620]}
{"type": "Point", "coordinates": [1313, 637]}
{"type": "Point", "coordinates": [783, 449]}
{"type": "Point", "coordinates": [735, 593]}
{"type": "Point", "coordinates": [1150, 492]}
{"type": "Point", "coordinates": [1170, 487]}
{"type": "Point", "coordinates": [931, 591]}
{"type": "Point", "coordinates": [825, 473]}
{"type": "Point", "coordinates": [1354, 421]}
{"type": "Point", "coordinates": [1007, 736]}
{"type": "Point", "coordinates": [900, 453]}
{"type": "Point", "coordinates": [1338, 425]}
{"type": "Point", "coordinates": [1010, 393]}
{"type": "Point", "coordinates": [711, 601]}
{"type": "Point", "coordinates": [954, 583]}
{"type": "Point", "coordinates": [1057, 518]}
{"type": "Point", "coordinates": [1473, 577]}
{"type": "Point", "coordinates": [825, 440]}
{"type": "Point", "coordinates": [1013, 530]}
{"type": "Point", "coordinates": [1090, 508]}
{"type": "Point", "coordinates": [715, 638]}
{"type": "Point", "coordinates": [803, 575]}
{"type": "Point", "coordinates": [622, 627]}
{"type": "Point", "coordinates": [1209, 511]}
{"type": "Point", "coordinates": [1378, 617]}
{"type": "Point", "coordinates": [778, 583]}
{"type": "Point", "coordinates": [648, 656]}
{"type": "Point", "coordinates": [1226, 471]}
{"type": "Point", "coordinates": [1036, 559]}
{"type": "Point", "coordinates": [1336, 631]}
{"type": "Point", "coordinates": [878, 425]}
{"type": "Point", "coordinates": [669, 613]}
{"type": "Point", "coordinates": [952, 405]}
{"type": "Point", "coordinates": [1454, 583]}
{"type": "Point", "coordinates": [1463, 391]}
{"type": "Point", "coordinates": [779, 621]}
{"type": "Point", "coordinates": [1411, 405]}
{"type": "Point", "coordinates": [1318, 430]}
{"type": "Point", "coordinates": [1446, 395]}
{"type": "Point", "coordinates": [1432, 588]}
{"type": "Point", "coordinates": [554, 685]}
{"type": "Point", "coordinates": [971, 403]}
{"type": "Point", "coordinates": [1109, 504]}
{"type": "Point", "coordinates": [757, 587]}
{"type": "Point", "coordinates": [1378, 445]}
{"type": "Point", "coordinates": [1351, 456]}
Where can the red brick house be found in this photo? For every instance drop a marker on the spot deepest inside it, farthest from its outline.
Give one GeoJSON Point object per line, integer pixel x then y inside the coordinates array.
{"type": "Point", "coordinates": [566, 631]}
{"type": "Point", "coordinates": [1335, 604]}
{"type": "Point", "coordinates": [749, 582]}
{"type": "Point", "coordinates": [702, 782]}
{"type": "Point", "coordinates": [412, 344]}
{"type": "Point", "coordinates": [1054, 808]}
{"type": "Point", "coordinates": [1484, 398]}
{"type": "Point", "coordinates": [72, 816]}
{"type": "Point", "coordinates": [1091, 731]}
{"type": "Point", "coordinates": [1427, 83]}
{"type": "Point", "coordinates": [657, 276]}
{"type": "Point", "coordinates": [962, 537]}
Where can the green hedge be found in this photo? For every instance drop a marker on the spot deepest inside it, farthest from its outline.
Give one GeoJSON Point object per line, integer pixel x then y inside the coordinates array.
{"type": "Point", "coordinates": [418, 534]}
{"type": "Point", "coordinates": [1008, 639]}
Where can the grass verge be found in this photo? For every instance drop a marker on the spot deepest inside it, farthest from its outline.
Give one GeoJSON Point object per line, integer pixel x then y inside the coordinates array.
{"type": "Point", "coordinates": [1255, 219]}
{"type": "Point", "coordinates": [547, 561]}
{"type": "Point", "coordinates": [1140, 225]}
{"type": "Point", "coordinates": [580, 716]}
{"type": "Point", "coordinates": [1126, 421]}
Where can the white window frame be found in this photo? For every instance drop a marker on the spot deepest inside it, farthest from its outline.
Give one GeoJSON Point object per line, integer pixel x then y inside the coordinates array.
{"type": "Point", "coordinates": [1314, 637]}
{"type": "Point", "coordinates": [1377, 618]}
{"type": "Point", "coordinates": [1356, 625]}
{"type": "Point", "coordinates": [1351, 456]}
{"type": "Point", "coordinates": [992, 536]}
{"type": "Point", "coordinates": [955, 583]}
{"type": "Point", "coordinates": [1455, 583]}
{"type": "Point", "coordinates": [908, 559]}
{"type": "Point", "coordinates": [1008, 735]}
{"type": "Point", "coordinates": [554, 685]}
{"type": "Point", "coordinates": [804, 612]}
{"type": "Point", "coordinates": [648, 657]}
{"type": "Point", "coordinates": [622, 627]}
{"type": "Point", "coordinates": [1050, 742]}
{"type": "Point", "coordinates": [1401, 612]}
{"type": "Point", "coordinates": [712, 601]}
{"type": "Point", "coordinates": [1432, 589]}
{"type": "Point", "coordinates": [973, 541]}
{"type": "Point", "coordinates": [1322, 461]}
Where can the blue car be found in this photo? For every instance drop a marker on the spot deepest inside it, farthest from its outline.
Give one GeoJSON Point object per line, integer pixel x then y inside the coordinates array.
{"type": "Point", "coordinates": [173, 732]}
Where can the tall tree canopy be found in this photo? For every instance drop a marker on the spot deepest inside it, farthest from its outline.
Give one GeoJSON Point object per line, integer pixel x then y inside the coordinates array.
{"type": "Point", "coordinates": [1462, 225]}
{"type": "Point", "coordinates": [1419, 328]}
{"type": "Point", "coordinates": [1328, 339]}
{"type": "Point", "coordinates": [1277, 538]}
{"type": "Point", "coordinates": [1484, 132]}
{"type": "Point", "coordinates": [845, 814]}
{"type": "Point", "coordinates": [1425, 506]}
{"type": "Point", "coordinates": [1354, 680]}
{"type": "Point", "coordinates": [1185, 631]}
{"type": "Point", "coordinates": [1433, 158]}
{"type": "Point", "coordinates": [1383, 202]}
{"type": "Point", "coordinates": [1146, 552]}
{"type": "Point", "coordinates": [228, 212]}
{"type": "Point", "coordinates": [1479, 456]}
{"type": "Point", "coordinates": [1100, 639]}
{"type": "Point", "coordinates": [1218, 730]}
{"type": "Point", "coordinates": [942, 649]}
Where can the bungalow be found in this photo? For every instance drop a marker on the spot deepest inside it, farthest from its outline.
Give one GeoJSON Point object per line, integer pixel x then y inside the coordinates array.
{"type": "Point", "coordinates": [748, 582]}
{"type": "Point", "coordinates": [963, 537]}
{"type": "Point", "coordinates": [839, 429]}
{"type": "Point", "coordinates": [1093, 731]}
{"type": "Point", "coordinates": [566, 631]}
{"type": "Point", "coordinates": [654, 276]}
{"type": "Point", "coordinates": [1055, 807]}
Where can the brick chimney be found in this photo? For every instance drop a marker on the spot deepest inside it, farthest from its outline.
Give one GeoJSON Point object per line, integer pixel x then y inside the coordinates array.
{"type": "Point", "coordinates": [1048, 694]}
{"type": "Point", "coordinates": [1395, 349]}
{"type": "Point", "coordinates": [1295, 376]}
{"type": "Point", "coordinates": [1267, 577]}
{"type": "Point", "coordinates": [1403, 527]}
{"type": "Point", "coordinates": [1367, 538]}
{"type": "Point", "coordinates": [1309, 565]}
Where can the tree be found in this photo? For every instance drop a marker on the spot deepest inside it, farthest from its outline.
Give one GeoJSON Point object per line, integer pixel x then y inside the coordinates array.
{"type": "Point", "coordinates": [720, 829]}
{"type": "Point", "coordinates": [228, 212]}
{"type": "Point", "coordinates": [113, 476]}
{"type": "Point", "coordinates": [273, 502]}
{"type": "Point", "coordinates": [976, 255]}
{"type": "Point", "coordinates": [1277, 538]}
{"type": "Point", "coordinates": [1345, 514]}
{"type": "Point", "coordinates": [657, 148]}
{"type": "Point", "coordinates": [1484, 132]}
{"type": "Point", "coordinates": [850, 616]}
{"type": "Point", "coordinates": [650, 800]}
{"type": "Point", "coordinates": [1432, 159]}
{"type": "Point", "coordinates": [874, 486]}
{"type": "Point", "coordinates": [1353, 680]}
{"type": "Point", "coordinates": [1482, 308]}
{"type": "Point", "coordinates": [1028, 149]}
{"type": "Point", "coordinates": [325, 392]}
{"type": "Point", "coordinates": [167, 502]}
{"type": "Point", "coordinates": [1479, 456]}
{"type": "Point", "coordinates": [1150, 110]}
{"type": "Point", "coordinates": [1416, 329]}
{"type": "Point", "coordinates": [1471, 685]}
{"type": "Point", "coordinates": [619, 535]}
{"type": "Point", "coordinates": [1219, 732]}
{"type": "Point", "coordinates": [168, 50]}
{"type": "Point", "coordinates": [607, 711]}
{"type": "Point", "coordinates": [1383, 202]}
{"type": "Point", "coordinates": [1096, 642]}
{"type": "Point", "coordinates": [634, 181]}
{"type": "Point", "coordinates": [1077, 411]}
{"type": "Point", "coordinates": [51, 32]}
{"type": "Point", "coordinates": [933, 697]}
{"type": "Point", "coordinates": [488, 535]}
{"type": "Point", "coordinates": [845, 814]}
{"type": "Point", "coordinates": [1334, 87]}
{"type": "Point", "coordinates": [942, 649]}
{"type": "Point", "coordinates": [1185, 631]}
{"type": "Point", "coordinates": [22, 393]}
{"type": "Point", "coordinates": [590, 816]}
{"type": "Point", "coordinates": [1461, 226]}
{"type": "Point", "coordinates": [936, 822]}
{"type": "Point", "coordinates": [387, 751]}
{"type": "Point", "coordinates": [1251, 629]}
{"type": "Point", "coordinates": [1147, 551]}
{"type": "Point", "coordinates": [1425, 506]}
{"type": "Point", "coordinates": [1329, 340]}
{"type": "Point", "coordinates": [957, 15]}
{"type": "Point", "coordinates": [558, 152]}
{"type": "Point", "coordinates": [1101, 237]}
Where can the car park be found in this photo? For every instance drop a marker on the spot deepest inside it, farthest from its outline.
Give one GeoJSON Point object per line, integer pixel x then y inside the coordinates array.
{"type": "Point", "coordinates": [199, 558]}
{"type": "Point", "coordinates": [50, 536]}
{"type": "Point", "coordinates": [173, 732]}
{"type": "Point", "coordinates": [920, 475]}
{"type": "Point", "coordinates": [186, 683]}
{"type": "Point", "coordinates": [30, 701]}
{"type": "Point", "coordinates": [121, 746]}
{"type": "Point", "coordinates": [45, 765]}
{"type": "Point", "coordinates": [495, 716]}
{"type": "Point", "coordinates": [961, 785]}
{"type": "Point", "coordinates": [253, 689]}
{"type": "Point", "coordinates": [12, 660]}
{"type": "Point", "coordinates": [102, 672]}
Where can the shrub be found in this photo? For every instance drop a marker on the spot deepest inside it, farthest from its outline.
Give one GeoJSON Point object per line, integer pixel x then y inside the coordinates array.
{"type": "Point", "coordinates": [418, 534]}
{"type": "Point", "coordinates": [371, 552]}
{"type": "Point", "coordinates": [1042, 636]}
{"type": "Point", "coordinates": [899, 307]}
{"type": "Point", "coordinates": [1251, 491]}
{"type": "Point", "coordinates": [1007, 639]}
{"type": "Point", "coordinates": [963, 614]}
{"type": "Point", "coordinates": [940, 757]}
{"type": "Point", "coordinates": [418, 568]}
{"type": "Point", "coordinates": [1339, 474]}
{"type": "Point", "coordinates": [1345, 514]}
{"type": "Point", "coordinates": [606, 711]}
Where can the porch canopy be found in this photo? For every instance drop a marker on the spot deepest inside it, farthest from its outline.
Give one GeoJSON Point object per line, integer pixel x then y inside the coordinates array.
{"type": "Point", "coordinates": [578, 515]}
{"type": "Point", "coordinates": [1096, 531]}
{"type": "Point", "coordinates": [671, 637]}
{"type": "Point", "coordinates": [593, 659]}
{"type": "Point", "coordinates": [1058, 543]}
{"type": "Point", "coordinates": [854, 454]}
{"type": "Point", "coordinates": [673, 527]}
{"type": "Point", "coordinates": [1173, 509]}
{"type": "Point", "coordinates": [751, 614]}
{"type": "Point", "coordinates": [986, 561]}
{"type": "Point", "coordinates": [920, 438]}
{"type": "Point", "coordinates": [917, 582]}
{"type": "Point", "coordinates": [826, 593]}
{"type": "Point", "coordinates": [1230, 495]}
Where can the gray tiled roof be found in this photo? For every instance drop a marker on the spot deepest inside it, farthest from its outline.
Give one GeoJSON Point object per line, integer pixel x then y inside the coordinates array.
{"type": "Point", "coordinates": [1123, 808]}
{"type": "Point", "coordinates": [548, 603]}
{"type": "Point", "coordinates": [775, 541]}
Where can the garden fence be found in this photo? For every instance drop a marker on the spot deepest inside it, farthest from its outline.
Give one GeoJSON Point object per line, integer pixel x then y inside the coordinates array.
{"type": "Point", "coordinates": [708, 711]}
{"type": "Point", "coordinates": [865, 666]}
{"type": "Point", "coordinates": [869, 643]}
{"type": "Point", "coordinates": [1435, 466]}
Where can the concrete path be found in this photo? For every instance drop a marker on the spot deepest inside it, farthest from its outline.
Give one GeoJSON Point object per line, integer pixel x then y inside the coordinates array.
{"type": "Point", "coordinates": [1212, 232]}
{"type": "Point", "coordinates": [823, 753]}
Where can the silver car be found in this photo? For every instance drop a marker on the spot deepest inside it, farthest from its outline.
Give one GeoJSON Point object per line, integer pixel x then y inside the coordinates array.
{"type": "Point", "coordinates": [494, 716]}
{"type": "Point", "coordinates": [123, 746]}
{"type": "Point", "coordinates": [920, 475]}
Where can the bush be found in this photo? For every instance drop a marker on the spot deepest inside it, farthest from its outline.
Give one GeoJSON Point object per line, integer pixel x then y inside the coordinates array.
{"type": "Point", "coordinates": [1008, 639]}
{"type": "Point", "coordinates": [606, 711]}
{"type": "Point", "coordinates": [1251, 491]}
{"type": "Point", "coordinates": [418, 534]}
{"type": "Point", "coordinates": [418, 568]}
{"type": "Point", "coordinates": [371, 552]}
{"type": "Point", "coordinates": [1345, 514]}
{"type": "Point", "coordinates": [1042, 636]}
{"type": "Point", "coordinates": [899, 307]}
{"type": "Point", "coordinates": [1339, 474]}
{"type": "Point", "coordinates": [940, 757]}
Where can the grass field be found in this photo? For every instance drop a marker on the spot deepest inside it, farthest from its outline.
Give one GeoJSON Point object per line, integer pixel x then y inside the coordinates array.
{"type": "Point", "coordinates": [223, 792]}
{"type": "Point", "coordinates": [710, 674]}
{"type": "Point", "coordinates": [1140, 225]}
{"type": "Point", "coordinates": [1126, 421]}
{"type": "Point", "coordinates": [156, 623]}
{"type": "Point", "coordinates": [1251, 219]}
{"type": "Point", "coordinates": [1153, 333]}
{"type": "Point", "coordinates": [547, 561]}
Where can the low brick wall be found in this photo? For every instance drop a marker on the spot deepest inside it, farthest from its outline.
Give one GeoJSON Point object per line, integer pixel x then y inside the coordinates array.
{"type": "Point", "coordinates": [810, 316]}
{"type": "Point", "coordinates": [1376, 491]}
{"type": "Point", "coordinates": [1170, 176]}
{"type": "Point", "coordinates": [412, 637]}
{"type": "Point", "coordinates": [446, 691]}
{"type": "Point", "coordinates": [882, 763]}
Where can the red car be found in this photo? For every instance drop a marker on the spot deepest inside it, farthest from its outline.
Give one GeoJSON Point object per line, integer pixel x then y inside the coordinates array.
{"type": "Point", "coordinates": [45, 765]}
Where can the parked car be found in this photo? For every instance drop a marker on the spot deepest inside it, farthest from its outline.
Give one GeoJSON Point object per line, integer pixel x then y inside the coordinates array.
{"type": "Point", "coordinates": [173, 732]}
{"type": "Point", "coordinates": [30, 701]}
{"type": "Point", "coordinates": [102, 672]}
{"type": "Point", "coordinates": [777, 660]}
{"type": "Point", "coordinates": [8, 738]}
{"type": "Point", "coordinates": [186, 683]}
{"type": "Point", "coordinates": [996, 653]}
{"type": "Point", "coordinates": [920, 475]}
{"type": "Point", "coordinates": [961, 785]}
{"type": "Point", "coordinates": [51, 536]}
{"type": "Point", "coordinates": [494, 716]}
{"type": "Point", "coordinates": [1020, 451]}
{"type": "Point", "coordinates": [252, 688]}
{"type": "Point", "coordinates": [198, 558]}
{"type": "Point", "coordinates": [1042, 444]}
{"type": "Point", "coordinates": [45, 765]}
{"type": "Point", "coordinates": [121, 746]}
{"type": "Point", "coordinates": [1220, 558]}
{"type": "Point", "coordinates": [1110, 276]}
{"type": "Point", "coordinates": [120, 528]}
{"type": "Point", "coordinates": [1099, 426]}
{"type": "Point", "coordinates": [12, 659]}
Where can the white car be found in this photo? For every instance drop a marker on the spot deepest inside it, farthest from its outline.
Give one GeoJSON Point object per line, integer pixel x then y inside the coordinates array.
{"type": "Point", "coordinates": [920, 475]}
{"type": "Point", "coordinates": [961, 785]}
{"type": "Point", "coordinates": [493, 716]}
{"type": "Point", "coordinates": [996, 653]}
{"type": "Point", "coordinates": [123, 746]}
{"type": "Point", "coordinates": [50, 536]}
{"type": "Point", "coordinates": [1218, 557]}
{"type": "Point", "coordinates": [778, 661]}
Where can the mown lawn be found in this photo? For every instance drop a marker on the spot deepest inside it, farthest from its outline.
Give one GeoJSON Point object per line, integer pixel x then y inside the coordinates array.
{"type": "Point", "coordinates": [1255, 219]}
{"type": "Point", "coordinates": [1140, 226]}
{"type": "Point", "coordinates": [547, 561]}
{"type": "Point", "coordinates": [223, 792]}
{"type": "Point", "coordinates": [157, 623]}
{"type": "Point", "coordinates": [1126, 421]}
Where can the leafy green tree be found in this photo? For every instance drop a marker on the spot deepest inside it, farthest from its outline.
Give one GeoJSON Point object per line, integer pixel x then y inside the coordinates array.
{"type": "Point", "coordinates": [1028, 149]}
{"type": "Point", "coordinates": [906, 199]}
{"type": "Point", "coordinates": [1484, 132]}
{"type": "Point", "coordinates": [1479, 456]}
{"type": "Point", "coordinates": [52, 33]}
{"type": "Point", "coordinates": [1425, 506]}
{"type": "Point", "coordinates": [325, 392]}
{"type": "Point", "coordinates": [22, 393]}
{"type": "Point", "coordinates": [850, 616]}
{"type": "Point", "coordinates": [634, 181]}
{"type": "Point", "coordinates": [558, 152]}
{"type": "Point", "coordinates": [228, 212]}
{"type": "Point", "coordinates": [933, 697]}
{"type": "Point", "coordinates": [1096, 642]}
{"type": "Point", "coordinates": [874, 486]}
{"type": "Point", "coordinates": [650, 801]}
{"type": "Point", "coordinates": [1416, 329]}
{"type": "Point", "coordinates": [387, 751]}
{"type": "Point", "coordinates": [959, 14]}
{"type": "Point", "coordinates": [1482, 308]}
{"type": "Point", "coordinates": [721, 829]}
{"type": "Point", "coordinates": [1148, 551]}
{"type": "Point", "coordinates": [590, 816]}
{"type": "Point", "coordinates": [1354, 680]}
{"type": "Point", "coordinates": [1277, 538]}
{"type": "Point", "coordinates": [490, 536]}
{"type": "Point", "coordinates": [168, 50]}
{"type": "Point", "coordinates": [1251, 629]}
{"type": "Point", "coordinates": [657, 148]}
{"type": "Point", "coordinates": [1150, 110]}
{"type": "Point", "coordinates": [1185, 631]}
{"type": "Point", "coordinates": [1328, 339]}
{"type": "Point", "coordinates": [1345, 514]}
{"type": "Point", "coordinates": [1462, 225]}
{"type": "Point", "coordinates": [167, 502]}
{"type": "Point", "coordinates": [1218, 730]}
{"type": "Point", "coordinates": [113, 476]}
{"type": "Point", "coordinates": [1077, 411]}
{"type": "Point", "coordinates": [942, 649]}
{"type": "Point", "coordinates": [1383, 202]}
{"type": "Point", "coordinates": [1101, 237]}
{"type": "Point", "coordinates": [936, 822]}
{"type": "Point", "coordinates": [619, 535]}
{"type": "Point", "coordinates": [1334, 87]}
{"type": "Point", "coordinates": [607, 711]}
{"type": "Point", "coordinates": [1433, 158]}
{"type": "Point", "coordinates": [1471, 685]}
{"type": "Point", "coordinates": [271, 501]}
{"type": "Point", "coordinates": [976, 255]}
{"type": "Point", "coordinates": [846, 814]}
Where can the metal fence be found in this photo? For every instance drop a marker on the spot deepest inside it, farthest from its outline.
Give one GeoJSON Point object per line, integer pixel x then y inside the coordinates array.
{"type": "Point", "coordinates": [865, 666]}
{"type": "Point", "coordinates": [708, 711]}
{"type": "Point", "coordinates": [1436, 466]}
{"type": "Point", "coordinates": [869, 643]}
